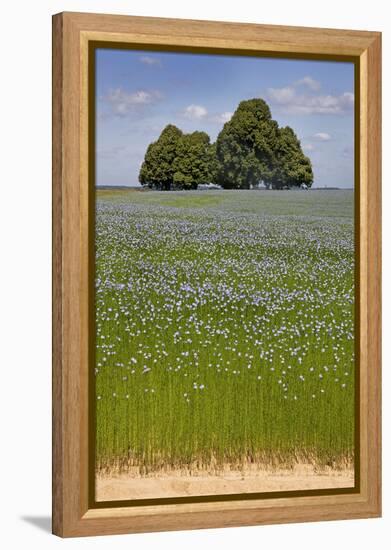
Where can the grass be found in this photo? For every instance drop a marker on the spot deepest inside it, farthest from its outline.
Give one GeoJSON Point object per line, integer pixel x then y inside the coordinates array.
{"type": "Point", "coordinates": [224, 329]}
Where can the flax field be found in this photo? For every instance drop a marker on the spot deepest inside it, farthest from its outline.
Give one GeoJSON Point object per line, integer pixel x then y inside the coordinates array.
{"type": "Point", "coordinates": [224, 329]}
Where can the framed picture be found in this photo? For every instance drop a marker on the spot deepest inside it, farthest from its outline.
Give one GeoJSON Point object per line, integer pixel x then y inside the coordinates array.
{"type": "Point", "coordinates": [216, 274]}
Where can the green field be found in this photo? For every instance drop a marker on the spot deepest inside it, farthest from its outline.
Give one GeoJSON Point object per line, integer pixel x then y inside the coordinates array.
{"type": "Point", "coordinates": [224, 329]}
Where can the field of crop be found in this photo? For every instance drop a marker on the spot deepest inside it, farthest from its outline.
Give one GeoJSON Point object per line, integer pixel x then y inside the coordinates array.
{"type": "Point", "coordinates": [224, 329]}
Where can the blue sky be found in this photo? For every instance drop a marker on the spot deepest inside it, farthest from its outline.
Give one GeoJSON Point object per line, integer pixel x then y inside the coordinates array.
{"type": "Point", "coordinates": [139, 92]}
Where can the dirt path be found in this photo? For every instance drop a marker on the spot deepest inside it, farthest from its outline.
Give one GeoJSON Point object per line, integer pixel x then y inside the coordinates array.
{"type": "Point", "coordinates": [126, 487]}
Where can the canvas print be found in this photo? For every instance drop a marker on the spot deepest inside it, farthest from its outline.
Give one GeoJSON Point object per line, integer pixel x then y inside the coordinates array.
{"type": "Point", "coordinates": [224, 279]}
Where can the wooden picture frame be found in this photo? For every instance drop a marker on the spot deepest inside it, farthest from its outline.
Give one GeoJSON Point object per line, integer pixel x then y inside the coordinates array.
{"type": "Point", "coordinates": [73, 512]}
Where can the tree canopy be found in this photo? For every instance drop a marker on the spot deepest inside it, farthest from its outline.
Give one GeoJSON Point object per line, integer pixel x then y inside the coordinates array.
{"type": "Point", "coordinates": [193, 161]}
{"type": "Point", "coordinates": [157, 169]}
{"type": "Point", "coordinates": [291, 167]}
{"type": "Point", "coordinates": [245, 146]}
{"type": "Point", "coordinates": [251, 149]}
{"type": "Point", "coordinates": [177, 160]}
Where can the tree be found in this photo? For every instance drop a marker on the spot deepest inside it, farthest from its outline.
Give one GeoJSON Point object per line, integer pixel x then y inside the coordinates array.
{"type": "Point", "coordinates": [250, 149]}
{"type": "Point", "coordinates": [245, 146]}
{"type": "Point", "coordinates": [193, 159]}
{"type": "Point", "coordinates": [157, 169]}
{"type": "Point", "coordinates": [291, 167]}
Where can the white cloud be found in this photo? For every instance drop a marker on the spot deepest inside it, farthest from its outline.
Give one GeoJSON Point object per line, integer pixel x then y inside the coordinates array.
{"type": "Point", "coordinates": [195, 112]}
{"type": "Point", "coordinates": [223, 117]}
{"type": "Point", "coordinates": [291, 102]}
{"type": "Point", "coordinates": [148, 60]}
{"type": "Point", "coordinates": [199, 112]}
{"type": "Point", "coordinates": [282, 95]}
{"type": "Point", "coordinates": [310, 82]}
{"type": "Point", "coordinates": [322, 136]}
{"type": "Point", "coordinates": [123, 102]}
{"type": "Point", "coordinates": [308, 147]}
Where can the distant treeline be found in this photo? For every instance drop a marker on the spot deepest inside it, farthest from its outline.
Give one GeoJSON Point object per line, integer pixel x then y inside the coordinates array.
{"type": "Point", "coordinates": [251, 150]}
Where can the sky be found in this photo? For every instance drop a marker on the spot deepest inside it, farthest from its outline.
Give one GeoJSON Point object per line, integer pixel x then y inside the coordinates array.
{"type": "Point", "coordinates": [139, 92]}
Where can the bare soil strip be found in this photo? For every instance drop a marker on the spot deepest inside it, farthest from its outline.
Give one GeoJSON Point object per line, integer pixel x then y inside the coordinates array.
{"type": "Point", "coordinates": [125, 486]}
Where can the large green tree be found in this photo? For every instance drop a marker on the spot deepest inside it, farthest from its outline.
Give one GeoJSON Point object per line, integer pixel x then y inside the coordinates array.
{"type": "Point", "coordinates": [250, 149]}
{"type": "Point", "coordinates": [245, 146]}
{"type": "Point", "coordinates": [194, 161]}
{"type": "Point", "coordinates": [157, 170]}
{"type": "Point", "coordinates": [291, 167]}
